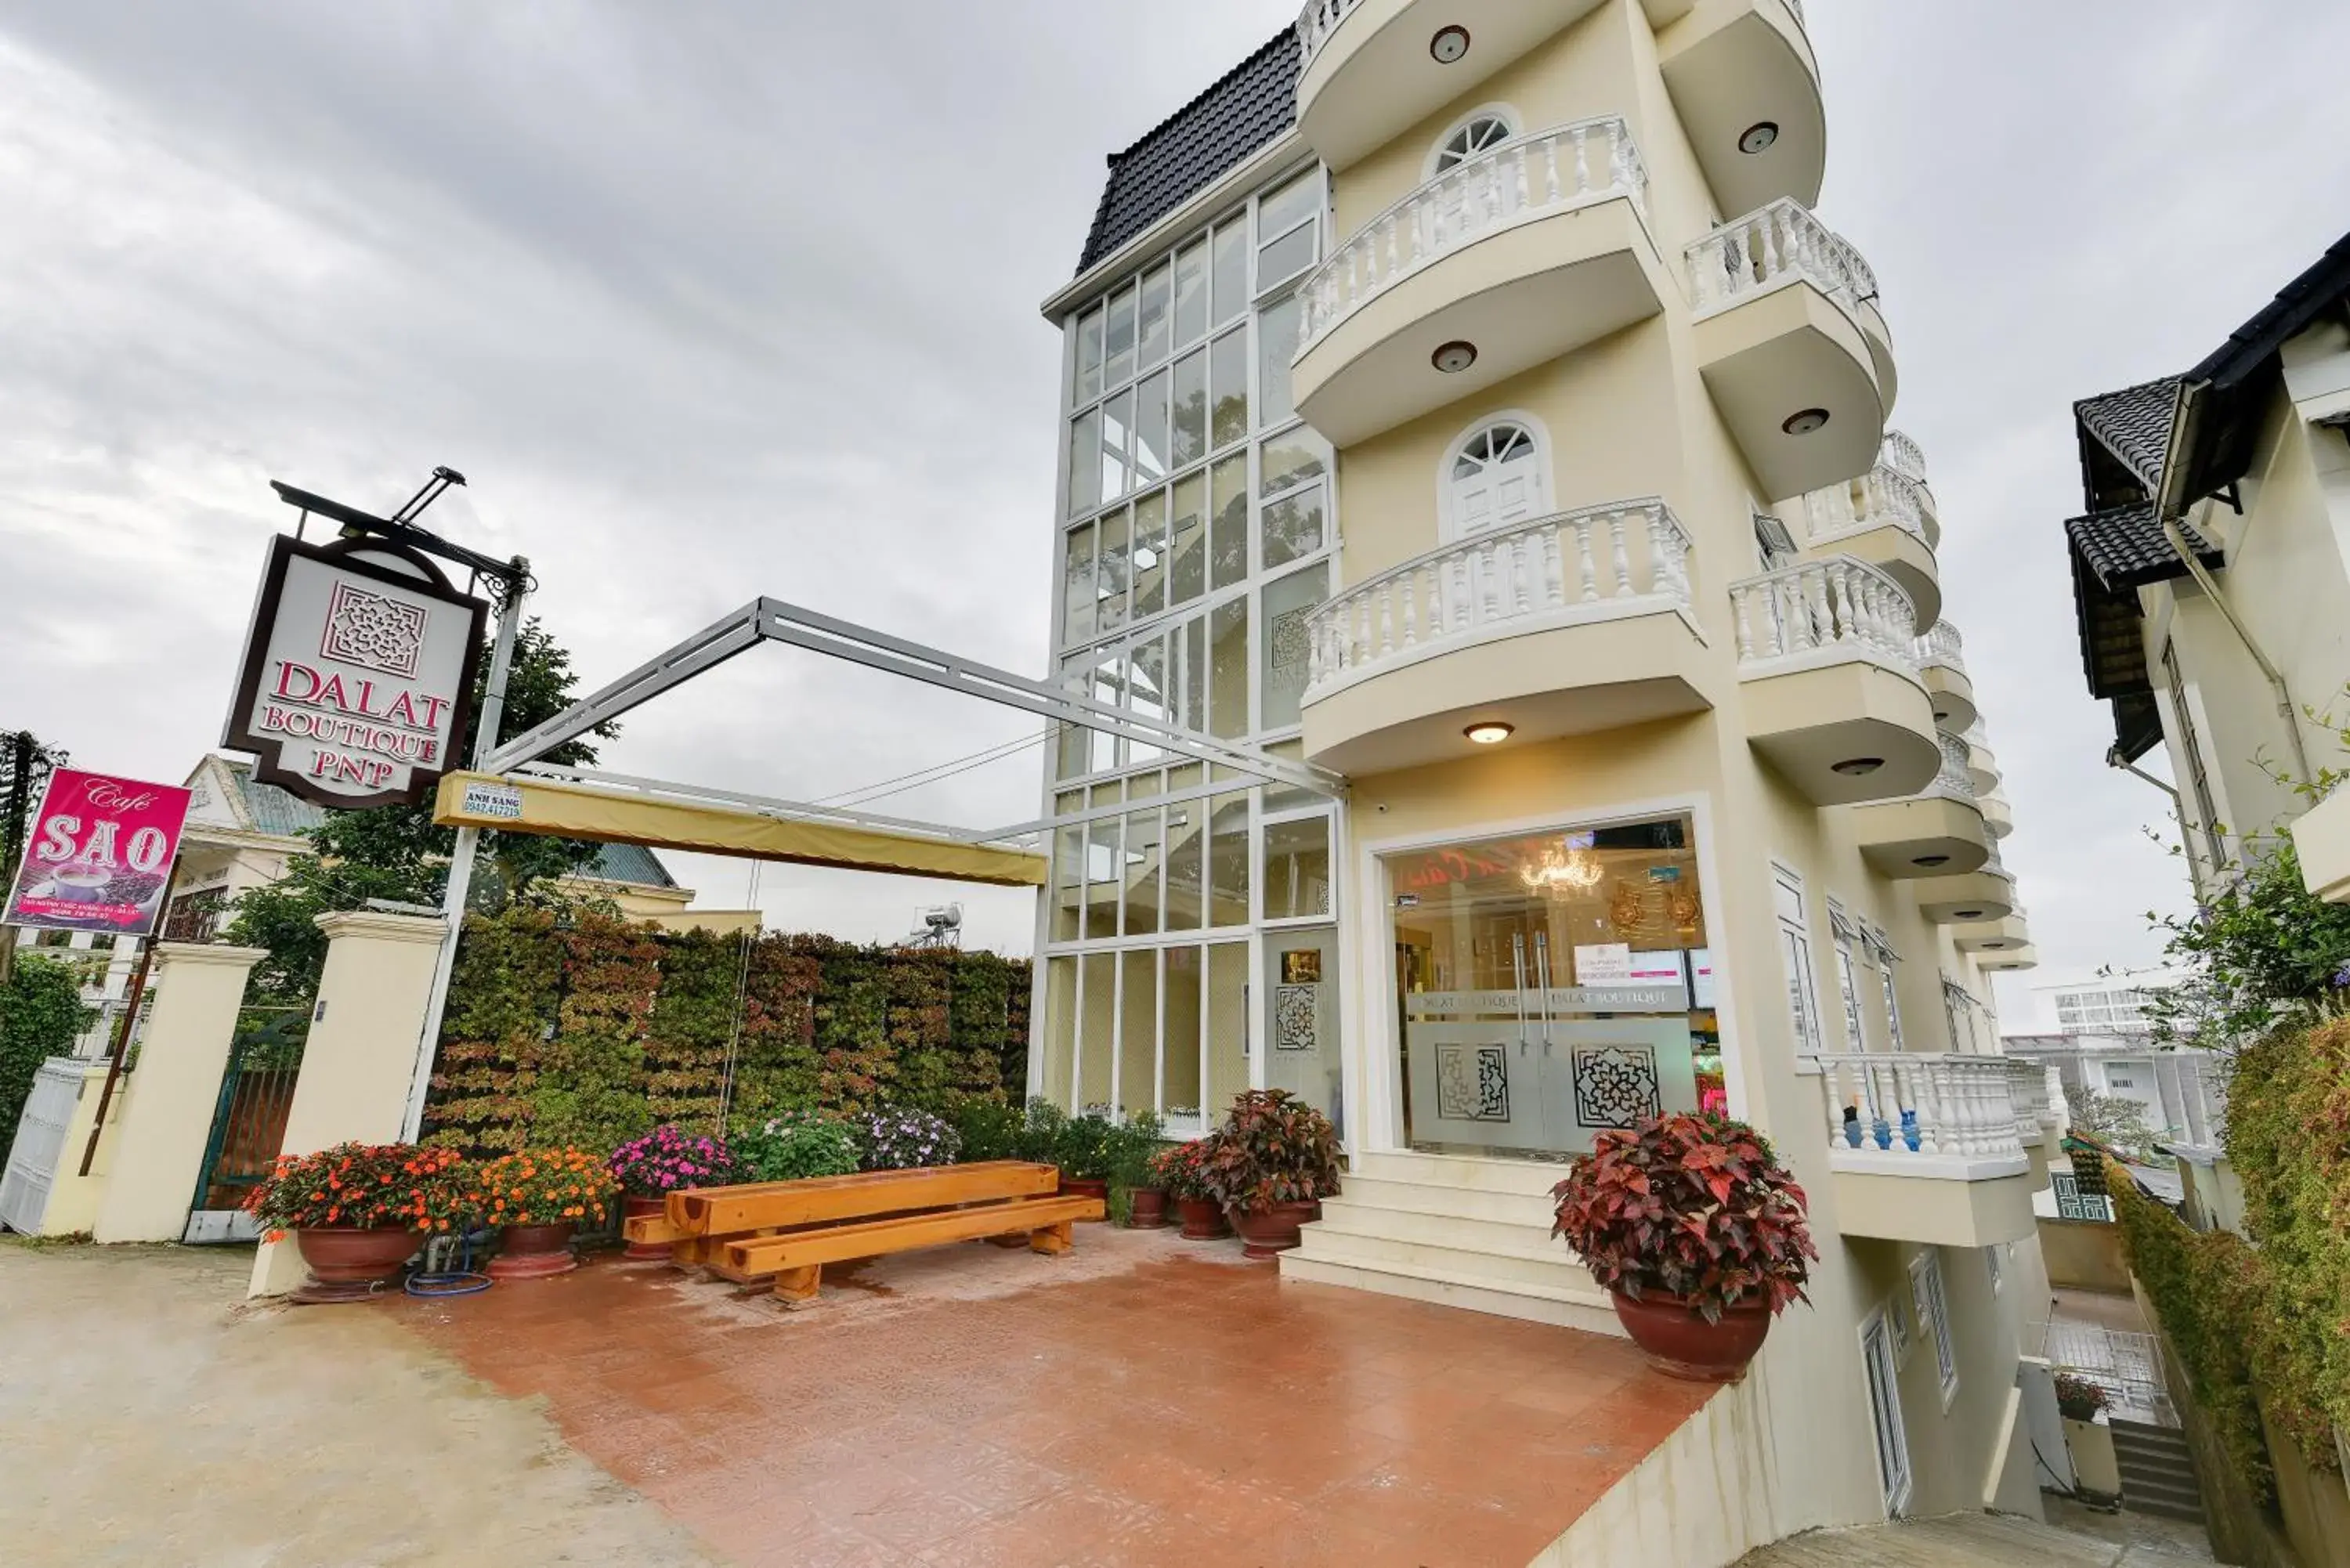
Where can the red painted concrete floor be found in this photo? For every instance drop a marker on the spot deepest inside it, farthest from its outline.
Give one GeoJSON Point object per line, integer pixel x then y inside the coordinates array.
{"type": "Point", "coordinates": [1139, 1401]}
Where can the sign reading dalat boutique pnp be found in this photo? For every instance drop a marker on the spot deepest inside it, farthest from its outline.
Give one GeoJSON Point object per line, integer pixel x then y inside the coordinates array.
{"type": "Point", "coordinates": [357, 675]}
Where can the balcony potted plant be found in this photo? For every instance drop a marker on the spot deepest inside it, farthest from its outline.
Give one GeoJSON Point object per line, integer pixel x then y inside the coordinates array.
{"type": "Point", "coordinates": [2077, 1398]}
{"type": "Point", "coordinates": [665, 1160]}
{"type": "Point", "coordinates": [357, 1211]}
{"type": "Point", "coordinates": [1697, 1230]}
{"type": "Point", "coordinates": [1271, 1164]}
{"type": "Point", "coordinates": [1181, 1170]}
{"type": "Point", "coordinates": [1086, 1148]}
{"type": "Point", "coordinates": [537, 1199]}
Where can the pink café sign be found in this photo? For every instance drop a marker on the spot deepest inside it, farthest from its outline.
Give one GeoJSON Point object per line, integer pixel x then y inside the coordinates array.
{"type": "Point", "coordinates": [98, 855]}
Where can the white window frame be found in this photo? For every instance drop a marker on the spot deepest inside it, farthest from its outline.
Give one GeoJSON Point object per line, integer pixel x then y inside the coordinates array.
{"type": "Point", "coordinates": [1933, 1305]}
{"type": "Point", "coordinates": [1880, 1383]}
{"type": "Point", "coordinates": [1795, 958]}
{"type": "Point", "coordinates": [1545, 474]}
{"type": "Point", "coordinates": [1845, 935]}
{"type": "Point", "coordinates": [1512, 122]}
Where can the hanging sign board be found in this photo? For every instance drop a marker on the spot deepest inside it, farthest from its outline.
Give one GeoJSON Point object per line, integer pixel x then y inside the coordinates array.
{"type": "Point", "coordinates": [357, 675]}
{"type": "Point", "coordinates": [99, 855]}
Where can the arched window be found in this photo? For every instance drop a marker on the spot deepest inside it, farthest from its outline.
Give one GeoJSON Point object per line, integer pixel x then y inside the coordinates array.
{"type": "Point", "coordinates": [1483, 129]}
{"type": "Point", "coordinates": [1496, 475]}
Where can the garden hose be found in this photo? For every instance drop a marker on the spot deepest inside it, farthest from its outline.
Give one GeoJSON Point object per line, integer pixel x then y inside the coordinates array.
{"type": "Point", "coordinates": [461, 1281]}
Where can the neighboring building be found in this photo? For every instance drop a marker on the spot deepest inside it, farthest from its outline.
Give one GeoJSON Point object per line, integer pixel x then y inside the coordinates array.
{"type": "Point", "coordinates": [1472, 405]}
{"type": "Point", "coordinates": [2114, 1004]}
{"type": "Point", "coordinates": [2181, 1095]}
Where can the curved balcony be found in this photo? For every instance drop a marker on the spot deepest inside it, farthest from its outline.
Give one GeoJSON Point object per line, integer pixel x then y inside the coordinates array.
{"type": "Point", "coordinates": [1829, 683]}
{"type": "Point", "coordinates": [1904, 457]}
{"type": "Point", "coordinates": [1733, 65]}
{"type": "Point", "coordinates": [1941, 663]}
{"type": "Point", "coordinates": [1948, 1168]}
{"type": "Point", "coordinates": [1969, 898]}
{"type": "Point", "coordinates": [1939, 832]}
{"type": "Point", "coordinates": [1983, 764]}
{"type": "Point", "coordinates": [1794, 359]}
{"type": "Point", "coordinates": [1557, 626]}
{"type": "Point", "coordinates": [1877, 516]}
{"type": "Point", "coordinates": [1369, 70]}
{"type": "Point", "coordinates": [1998, 816]}
{"type": "Point", "coordinates": [1991, 936]}
{"type": "Point", "coordinates": [1528, 250]}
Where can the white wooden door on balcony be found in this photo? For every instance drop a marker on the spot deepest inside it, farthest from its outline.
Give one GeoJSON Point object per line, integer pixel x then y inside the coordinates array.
{"type": "Point", "coordinates": [1498, 478]}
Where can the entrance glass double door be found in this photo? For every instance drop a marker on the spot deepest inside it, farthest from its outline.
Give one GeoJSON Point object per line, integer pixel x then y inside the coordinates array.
{"type": "Point", "coordinates": [1299, 1027]}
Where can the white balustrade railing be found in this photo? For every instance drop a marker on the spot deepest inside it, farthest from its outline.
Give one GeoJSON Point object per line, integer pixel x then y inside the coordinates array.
{"type": "Point", "coordinates": [1771, 245]}
{"type": "Point", "coordinates": [1514, 182]}
{"type": "Point", "coordinates": [1902, 455]}
{"type": "Point", "coordinates": [1951, 781]}
{"type": "Point", "coordinates": [1902, 1102]}
{"type": "Point", "coordinates": [1994, 864]}
{"type": "Point", "coordinates": [1941, 645]}
{"type": "Point", "coordinates": [1598, 563]}
{"type": "Point", "coordinates": [1320, 19]}
{"type": "Point", "coordinates": [1823, 612]}
{"type": "Point", "coordinates": [1879, 498]}
{"type": "Point", "coordinates": [2035, 1109]}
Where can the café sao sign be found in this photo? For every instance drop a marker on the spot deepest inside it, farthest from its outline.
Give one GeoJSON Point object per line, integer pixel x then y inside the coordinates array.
{"type": "Point", "coordinates": [99, 855]}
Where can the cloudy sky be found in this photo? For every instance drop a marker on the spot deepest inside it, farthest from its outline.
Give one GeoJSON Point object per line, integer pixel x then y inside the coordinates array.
{"type": "Point", "coordinates": [717, 300]}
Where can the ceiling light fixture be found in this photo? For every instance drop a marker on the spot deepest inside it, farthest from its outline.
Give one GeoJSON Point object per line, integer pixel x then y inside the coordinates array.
{"type": "Point", "coordinates": [1491, 733]}
{"type": "Point", "coordinates": [1857, 767]}
{"type": "Point", "coordinates": [1454, 357]}
{"type": "Point", "coordinates": [1969, 914]}
{"type": "Point", "coordinates": [1448, 45]}
{"type": "Point", "coordinates": [1563, 870]}
{"type": "Point", "coordinates": [1758, 137]}
{"type": "Point", "coordinates": [1804, 421]}
{"type": "Point", "coordinates": [1931, 860]}
{"type": "Point", "coordinates": [1994, 944]}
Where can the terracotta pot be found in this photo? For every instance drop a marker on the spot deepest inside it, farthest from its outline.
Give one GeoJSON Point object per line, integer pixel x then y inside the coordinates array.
{"type": "Point", "coordinates": [1272, 1230]}
{"type": "Point", "coordinates": [350, 1264]}
{"type": "Point", "coordinates": [534, 1251]}
{"type": "Point", "coordinates": [1148, 1211]}
{"type": "Point", "coordinates": [1202, 1218]}
{"type": "Point", "coordinates": [1085, 1187]}
{"type": "Point", "coordinates": [1683, 1345]}
{"type": "Point", "coordinates": [635, 1208]}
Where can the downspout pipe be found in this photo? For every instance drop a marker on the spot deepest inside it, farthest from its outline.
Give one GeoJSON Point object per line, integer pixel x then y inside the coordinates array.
{"type": "Point", "coordinates": [2114, 759]}
{"type": "Point", "coordinates": [2170, 504]}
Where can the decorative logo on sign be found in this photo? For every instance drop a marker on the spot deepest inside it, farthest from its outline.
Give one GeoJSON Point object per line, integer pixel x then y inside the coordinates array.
{"type": "Point", "coordinates": [374, 631]}
{"type": "Point", "coordinates": [1615, 1085]}
{"type": "Point", "coordinates": [1293, 1007]}
{"type": "Point", "coordinates": [1472, 1082]}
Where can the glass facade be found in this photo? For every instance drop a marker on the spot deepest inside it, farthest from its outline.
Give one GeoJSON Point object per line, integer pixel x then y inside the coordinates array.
{"type": "Point", "coordinates": [1198, 535]}
{"type": "Point", "coordinates": [1551, 985]}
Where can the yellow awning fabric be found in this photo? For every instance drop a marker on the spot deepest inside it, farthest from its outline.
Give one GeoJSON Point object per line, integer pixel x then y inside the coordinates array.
{"type": "Point", "coordinates": [567, 811]}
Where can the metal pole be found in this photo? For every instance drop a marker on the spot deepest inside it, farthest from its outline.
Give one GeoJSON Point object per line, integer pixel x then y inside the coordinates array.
{"type": "Point", "coordinates": [461, 863]}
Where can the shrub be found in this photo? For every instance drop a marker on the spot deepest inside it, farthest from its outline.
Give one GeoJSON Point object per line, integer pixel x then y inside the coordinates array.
{"type": "Point", "coordinates": [1040, 1135]}
{"type": "Point", "coordinates": [1086, 1147]}
{"type": "Point", "coordinates": [1692, 1206]}
{"type": "Point", "coordinates": [668, 1158]}
{"type": "Point", "coordinates": [902, 1140]}
{"type": "Point", "coordinates": [2078, 1399]}
{"type": "Point", "coordinates": [543, 1186]}
{"type": "Point", "coordinates": [793, 1147]}
{"type": "Point", "coordinates": [1134, 1149]}
{"type": "Point", "coordinates": [41, 1011]}
{"type": "Point", "coordinates": [1181, 1168]}
{"type": "Point", "coordinates": [990, 1129]}
{"type": "Point", "coordinates": [1273, 1148]}
{"type": "Point", "coordinates": [360, 1185]}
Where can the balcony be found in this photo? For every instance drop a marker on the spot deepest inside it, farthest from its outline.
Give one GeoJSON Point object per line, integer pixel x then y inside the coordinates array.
{"type": "Point", "coordinates": [1982, 765]}
{"type": "Point", "coordinates": [1559, 626]}
{"type": "Point", "coordinates": [1530, 250]}
{"type": "Point", "coordinates": [1828, 682]}
{"type": "Point", "coordinates": [2006, 933]}
{"type": "Point", "coordinates": [1929, 1147]}
{"type": "Point", "coordinates": [1967, 898]}
{"type": "Point", "coordinates": [2321, 837]}
{"type": "Point", "coordinates": [1369, 69]}
{"type": "Point", "coordinates": [1783, 341]}
{"type": "Point", "coordinates": [1734, 66]}
{"type": "Point", "coordinates": [1942, 664]}
{"type": "Point", "coordinates": [1998, 814]}
{"type": "Point", "coordinates": [1879, 517]}
{"type": "Point", "coordinates": [1903, 456]}
{"type": "Point", "coordinates": [1938, 833]}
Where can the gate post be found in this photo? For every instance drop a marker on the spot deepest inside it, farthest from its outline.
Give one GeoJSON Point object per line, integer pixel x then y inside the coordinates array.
{"type": "Point", "coordinates": [167, 1114]}
{"type": "Point", "coordinates": [361, 1051]}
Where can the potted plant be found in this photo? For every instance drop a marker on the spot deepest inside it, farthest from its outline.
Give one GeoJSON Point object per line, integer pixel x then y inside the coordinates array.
{"type": "Point", "coordinates": [537, 1199]}
{"type": "Point", "coordinates": [794, 1146]}
{"type": "Point", "coordinates": [665, 1160]}
{"type": "Point", "coordinates": [1271, 1164]}
{"type": "Point", "coordinates": [1137, 1198]}
{"type": "Point", "coordinates": [357, 1211]}
{"type": "Point", "coordinates": [2078, 1399]}
{"type": "Point", "coordinates": [903, 1139]}
{"type": "Point", "coordinates": [1039, 1139]}
{"type": "Point", "coordinates": [1086, 1149]}
{"type": "Point", "coordinates": [991, 1129]}
{"type": "Point", "coordinates": [1697, 1230]}
{"type": "Point", "coordinates": [1179, 1170]}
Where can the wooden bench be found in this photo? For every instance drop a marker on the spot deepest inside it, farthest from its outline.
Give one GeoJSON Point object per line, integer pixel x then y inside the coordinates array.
{"type": "Point", "coordinates": [788, 1231]}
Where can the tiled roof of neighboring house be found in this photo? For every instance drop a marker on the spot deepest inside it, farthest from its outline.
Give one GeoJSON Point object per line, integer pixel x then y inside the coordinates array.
{"type": "Point", "coordinates": [271, 809]}
{"type": "Point", "coordinates": [2127, 549]}
{"type": "Point", "coordinates": [630, 863]}
{"type": "Point", "coordinates": [1244, 109]}
{"type": "Point", "coordinates": [2134, 425]}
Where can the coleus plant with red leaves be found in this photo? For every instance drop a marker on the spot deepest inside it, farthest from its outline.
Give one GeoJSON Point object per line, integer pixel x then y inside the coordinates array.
{"type": "Point", "coordinates": [1273, 1148]}
{"type": "Point", "coordinates": [1693, 1206]}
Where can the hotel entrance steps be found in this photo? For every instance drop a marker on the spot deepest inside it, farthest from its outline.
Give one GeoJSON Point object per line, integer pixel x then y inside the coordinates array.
{"type": "Point", "coordinates": [1471, 1234]}
{"type": "Point", "coordinates": [2157, 1473]}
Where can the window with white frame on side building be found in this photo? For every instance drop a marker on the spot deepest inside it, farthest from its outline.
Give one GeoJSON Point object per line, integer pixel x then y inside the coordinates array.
{"type": "Point", "coordinates": [1796, 952]}
{"type": "Point", "coordinates": [1934, 1318]}
{"type": "Point", "coordinates": [1847, 936]}
{"type": "Point", "coordinates": [1198, 533]}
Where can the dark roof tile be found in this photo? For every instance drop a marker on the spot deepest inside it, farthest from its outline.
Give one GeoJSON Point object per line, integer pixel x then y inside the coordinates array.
{"type": "Point", "coordinates": [1243, 109]}
{"type": "Point", "coordinates": [2126, 550]}
{"type": "Point", "coordinates": [630, 863]}
{"type": "Point", "coordinates": [2133, 425]}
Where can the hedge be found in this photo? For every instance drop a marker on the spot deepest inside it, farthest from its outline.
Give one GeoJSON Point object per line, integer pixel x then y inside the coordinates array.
{"type": "Point", "coordinates": [583, 1028]}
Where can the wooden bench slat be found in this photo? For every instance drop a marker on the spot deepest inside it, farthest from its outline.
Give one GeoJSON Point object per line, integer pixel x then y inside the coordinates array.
{"type": "Point", "coordinates": [753, 1259]}
{"type": "Point", "coordinates": [723, 1211]}
{"type": "Point", "coordinates": [651, 1230]}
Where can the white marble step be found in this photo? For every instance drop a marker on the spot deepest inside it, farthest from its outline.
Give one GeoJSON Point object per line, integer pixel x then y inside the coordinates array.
{"type": "Point", "coordinates": [1583, 1309]}
{"type": "Point", "coordinates": [1502, 1268]}
{"type": "Point", "coordinates": [1515, 1237]}
{"type": "Point", "coordinates": [1442, 1198]}
{"type": "Point", "coordinates": [1532, 1177]}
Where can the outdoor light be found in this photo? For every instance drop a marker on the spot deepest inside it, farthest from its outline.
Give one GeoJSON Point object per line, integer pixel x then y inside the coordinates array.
{"type": "Point", "coordinates": [1562, 870]}
{"type": "Point", "coordinates": [1804, 421]}
{"type": "Point", "coordinates": [1492, 733]}
{"type": "Point", "coordinates": [1969, 914]}
{"type": "Point", "coordinates": [1456, 356]}
{"type": "Point", "coordinates": [1448, 45]}
{"type": "Point", "coordinates": [1758, 137]}
{"type": "Point", "coordinates": [1931, 860]}
{"type": "Point", "coordinates": [1857, 767]}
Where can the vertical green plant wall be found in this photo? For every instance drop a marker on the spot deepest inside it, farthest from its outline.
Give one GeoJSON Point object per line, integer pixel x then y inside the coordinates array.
{"type": "Point", "coordinates": [502, 1009]}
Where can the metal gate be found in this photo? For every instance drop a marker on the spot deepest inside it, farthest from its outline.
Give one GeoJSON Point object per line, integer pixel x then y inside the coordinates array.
{"type": "Point", "coordinates": [257, 1092]}
{"type": "Point", "coordinates": [2127, 1367]}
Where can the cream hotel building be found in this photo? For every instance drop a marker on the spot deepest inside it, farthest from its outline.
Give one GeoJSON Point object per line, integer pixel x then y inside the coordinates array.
{"type": "Point", "coordinates": [1463, 400]}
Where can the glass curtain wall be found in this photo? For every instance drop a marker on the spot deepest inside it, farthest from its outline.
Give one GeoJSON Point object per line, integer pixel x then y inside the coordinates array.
{"type": "Point", "coordinates": [1198, 535]}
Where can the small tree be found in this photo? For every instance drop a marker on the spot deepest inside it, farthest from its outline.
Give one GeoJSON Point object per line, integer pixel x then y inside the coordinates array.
{"type": "Point", "coordinates": [2115, 1121]}
{"type": "Point", "coordinates": [41, 1011]}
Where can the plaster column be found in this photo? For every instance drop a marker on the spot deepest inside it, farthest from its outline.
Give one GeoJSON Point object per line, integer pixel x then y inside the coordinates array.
{"type": "Point", "coordinates": [167, 1119]}
{"type": "Point", "coordinates": [357, 1066]}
